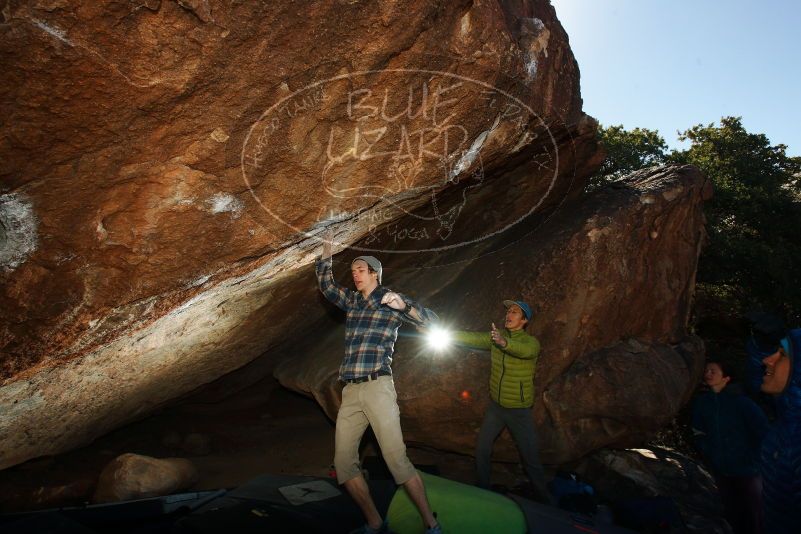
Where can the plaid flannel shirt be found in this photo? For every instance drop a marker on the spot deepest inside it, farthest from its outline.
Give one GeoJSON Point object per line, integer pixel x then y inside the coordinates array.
{"type": "Point", "coordinates": [371, 328]}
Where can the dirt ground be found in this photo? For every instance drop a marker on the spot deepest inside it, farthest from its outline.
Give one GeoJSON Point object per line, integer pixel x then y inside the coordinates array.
{"type": "Point", "coordinates": [263, 428]}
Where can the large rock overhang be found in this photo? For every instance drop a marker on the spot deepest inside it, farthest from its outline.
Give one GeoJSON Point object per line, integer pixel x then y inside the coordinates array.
{"type": "Point", "coordinates": [167, 169]}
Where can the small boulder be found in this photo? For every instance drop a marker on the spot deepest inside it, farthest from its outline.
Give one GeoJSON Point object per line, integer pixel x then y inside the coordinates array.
{"type": "Point", "coordinates": [132, 476]}
{"type": "Point", "coordinates": [644, 477]}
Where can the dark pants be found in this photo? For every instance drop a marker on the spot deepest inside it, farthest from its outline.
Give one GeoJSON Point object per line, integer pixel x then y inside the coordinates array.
{"type": "Point", "coordinates": [742, 502]}
{"type": "Point", "coordinates": [521, 426]}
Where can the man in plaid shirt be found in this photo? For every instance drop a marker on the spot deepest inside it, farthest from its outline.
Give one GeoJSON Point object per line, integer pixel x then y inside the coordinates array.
{"type": "Point", "coordinates": [374, 315]}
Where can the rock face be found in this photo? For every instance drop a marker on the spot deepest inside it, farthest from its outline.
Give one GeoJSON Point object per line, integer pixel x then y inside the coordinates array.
{"type": "Point", "coordinates": [621, 475]}
{"type": "Point", "coordinates": [165, 167]}
{"type": "Point", "coordinates": [151, 151]}
{"type": "Point", "coordinates": [621, 394]}
{"type": "Point", "coordinates": [133, 476]}
{"type": "Point", "coordinates": [611, 283]}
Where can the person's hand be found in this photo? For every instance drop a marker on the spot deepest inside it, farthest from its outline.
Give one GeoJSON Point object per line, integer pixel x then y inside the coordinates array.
{"type": "Point", "coordinates": [327, 238]}
{"type": "Point", "coordinates": [394, 301]}
{"type": "Point", "coordinates": [497, 338]}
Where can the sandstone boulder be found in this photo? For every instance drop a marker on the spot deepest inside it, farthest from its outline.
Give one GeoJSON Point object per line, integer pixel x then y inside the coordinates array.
{"type": "Point", "coordinates": [165, 168]}
{"type": "Point", "coordinates": [620, 475]}
{"type": "Point", "coordinates": [611, 281]}
{"type": "Point", "coordinates": [133, 476]}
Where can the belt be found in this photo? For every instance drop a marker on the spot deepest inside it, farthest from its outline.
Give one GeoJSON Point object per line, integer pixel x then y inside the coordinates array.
{"type": "Point", "coordinates": [371, 376]}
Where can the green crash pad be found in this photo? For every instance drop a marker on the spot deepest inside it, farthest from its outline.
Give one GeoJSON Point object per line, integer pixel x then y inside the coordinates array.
{"type": "Point", "coordinates": [459, 507]}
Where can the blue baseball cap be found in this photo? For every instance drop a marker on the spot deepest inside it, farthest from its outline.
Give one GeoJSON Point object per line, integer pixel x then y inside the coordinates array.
{"type": "Point", "coordinates": [523, 306]}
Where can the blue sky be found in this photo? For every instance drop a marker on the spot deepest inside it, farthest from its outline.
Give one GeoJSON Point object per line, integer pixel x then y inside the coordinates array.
{"type": "Point", "coordinates": [670, 64]}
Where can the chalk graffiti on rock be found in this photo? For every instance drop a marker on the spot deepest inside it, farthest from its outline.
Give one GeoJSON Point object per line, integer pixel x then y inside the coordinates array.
{"type": "Point", "coordinates": [386, 146]}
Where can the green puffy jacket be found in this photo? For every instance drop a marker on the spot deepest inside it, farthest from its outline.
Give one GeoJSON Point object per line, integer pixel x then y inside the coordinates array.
{"type": "Point", "coordinates": [512, 375]}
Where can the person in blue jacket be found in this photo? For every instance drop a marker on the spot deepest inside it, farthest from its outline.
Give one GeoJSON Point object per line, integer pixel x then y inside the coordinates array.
{"type": "Point", "coordinates": [767, 329]}
{"type": "Point", "coordinates": [728, 429]}
{"type": "Point", "coordinates": [781, 449]}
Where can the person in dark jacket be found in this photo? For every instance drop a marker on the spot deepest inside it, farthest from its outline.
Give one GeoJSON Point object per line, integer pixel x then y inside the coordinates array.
{"type": "Point", "coordinates": [781, 450]}
{"type": "Point", "coordinates": [728, 429]}
{"type": "Point", "coordinates": [767, 330]}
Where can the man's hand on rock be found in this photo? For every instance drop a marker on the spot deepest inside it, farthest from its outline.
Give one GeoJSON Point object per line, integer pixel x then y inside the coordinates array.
{"type": "Point", "coordinates": [327, 238]}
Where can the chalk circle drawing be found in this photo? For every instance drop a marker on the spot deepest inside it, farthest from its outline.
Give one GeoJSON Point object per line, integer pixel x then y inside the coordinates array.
{"type": "Point", "coordinates": [385, 144]}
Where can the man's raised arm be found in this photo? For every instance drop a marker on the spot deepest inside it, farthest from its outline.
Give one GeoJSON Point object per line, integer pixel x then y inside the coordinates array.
{"type": "Point", "coordinates": [325, 275]}
{"type": "Point", "coordinates": [412, 311]}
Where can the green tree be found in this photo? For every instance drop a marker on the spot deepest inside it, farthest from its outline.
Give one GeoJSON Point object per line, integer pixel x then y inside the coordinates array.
{"type": "Point", "coordinates": [753, 256]}
{"type": "Point", "coordinates": [626, 152]}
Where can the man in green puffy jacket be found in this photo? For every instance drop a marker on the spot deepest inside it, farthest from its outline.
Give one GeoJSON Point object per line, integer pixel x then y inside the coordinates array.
{"type": "Point", "coordinates": [514, 356]}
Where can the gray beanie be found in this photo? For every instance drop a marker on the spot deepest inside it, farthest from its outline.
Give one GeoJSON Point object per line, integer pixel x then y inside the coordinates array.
{"type": "Point", "coordinates": [372, 262]}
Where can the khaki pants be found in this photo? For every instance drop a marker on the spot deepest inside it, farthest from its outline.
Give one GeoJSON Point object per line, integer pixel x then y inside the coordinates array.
{"type": "Point", "coordinates": [373, 403]}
